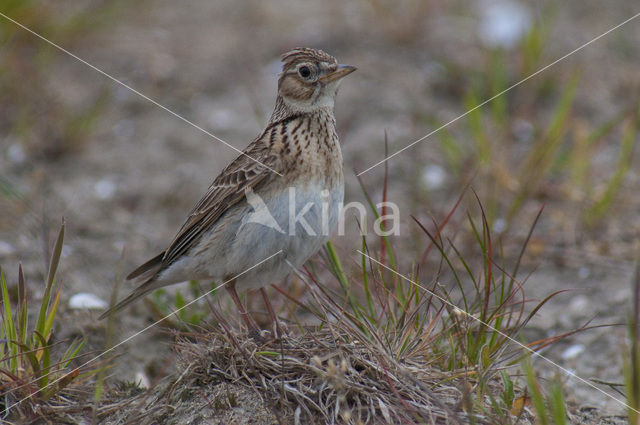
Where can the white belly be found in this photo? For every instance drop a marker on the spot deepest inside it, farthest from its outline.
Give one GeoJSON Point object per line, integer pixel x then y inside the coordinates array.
{"type": "Point", "coordinates": [295, 225]}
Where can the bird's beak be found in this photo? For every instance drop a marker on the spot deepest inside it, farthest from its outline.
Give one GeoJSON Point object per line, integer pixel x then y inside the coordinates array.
{"type": "Point", "coordinates": [342, 71]}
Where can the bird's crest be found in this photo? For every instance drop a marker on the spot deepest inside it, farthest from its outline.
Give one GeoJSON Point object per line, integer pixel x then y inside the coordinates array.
{"type": "Point", "coordinates": [305, 54]}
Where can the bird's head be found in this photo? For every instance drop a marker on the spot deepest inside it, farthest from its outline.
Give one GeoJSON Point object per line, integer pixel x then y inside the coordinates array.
{"type": "Point", "coordinates": [310, 79]}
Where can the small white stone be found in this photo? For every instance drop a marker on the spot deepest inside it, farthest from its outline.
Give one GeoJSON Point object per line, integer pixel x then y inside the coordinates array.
{"type": "Point", "coordinates": [67, 250]}
{"type": "Point", "coordinates": [142, 380]}
{"type": "Point", "coordinates": [6, 248]}
{"type": "Point", "coordinates": [503, 23]}
{"type": "Point", "coordinates": [523, 130]}
{"type": "Point", "coordinates": [221, 119]}
{"type": "Point", "coordinates": [87, 301]}
{"type": "Point", "coordinates": [572, 352]}
{"type": "Point", "coordinates": [16, 154]}
{"type": "Point", "coordinates": [433, 176]}
{"type": "Point", "coordinates": [579, 306]}
{"type": "Point", "coordinates": [584, 272]}
{"type": "Point", "coordinates": [499, 225]}
{"type": "Point", "coordinates": [105, 189]}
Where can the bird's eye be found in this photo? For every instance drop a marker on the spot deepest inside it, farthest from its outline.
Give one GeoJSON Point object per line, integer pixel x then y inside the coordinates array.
{"type": "Point", "coordinates": [304, 71]}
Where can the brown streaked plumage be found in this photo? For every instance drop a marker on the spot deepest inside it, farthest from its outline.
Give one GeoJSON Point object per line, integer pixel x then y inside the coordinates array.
{"type": "Point", "coordinates": [220, 238]}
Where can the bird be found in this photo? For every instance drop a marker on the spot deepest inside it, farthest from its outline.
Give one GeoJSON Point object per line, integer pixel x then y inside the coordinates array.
{"type": "Point", "coordinates": [278, 200]}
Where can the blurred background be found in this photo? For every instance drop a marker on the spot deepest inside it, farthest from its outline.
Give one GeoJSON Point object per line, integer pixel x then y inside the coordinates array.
{"type": "Point", "coordinates": [124, 173]}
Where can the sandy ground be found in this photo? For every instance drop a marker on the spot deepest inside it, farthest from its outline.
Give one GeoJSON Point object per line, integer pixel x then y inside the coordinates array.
{"type": "Point", "coordinates": [125, 189]}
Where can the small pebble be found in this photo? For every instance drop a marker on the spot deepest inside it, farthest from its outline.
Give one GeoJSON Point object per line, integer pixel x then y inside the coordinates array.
{"type": "Point", "coordinates": [499, 225]}
{"type": "Point", "coordinates": [503, 23]}
{"type": "Point", "coordinates": [142, 380]}
{"type": "Point", "coordinates": [221, 119]}
{"type": "Point", "coordinates": [523, 130]}
{"type": "Point", "coordinates": [105, 189]}
{"type": "Point", "coordinates": [87, 301]}
{"type": "Point", "coordinates": [16, 154]}
{"type": "Point", "coordinates": [67, 250]}
{"type": "Point", "coordinates": [584, 272]}
{"type": "Point", "coordinates": [433, 176]}
{"type": "Point", "coordinates": [579, 305]}
{"type": "Point", "coordinates": [572, 352]}
{"type": "Point", "coordinates": [6, 248]}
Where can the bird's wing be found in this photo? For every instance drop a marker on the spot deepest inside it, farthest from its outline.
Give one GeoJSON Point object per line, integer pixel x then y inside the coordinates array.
{"type": "Point", "coordinates": [227, 190]}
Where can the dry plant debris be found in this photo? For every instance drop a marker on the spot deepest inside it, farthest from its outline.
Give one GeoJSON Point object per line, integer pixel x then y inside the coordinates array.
{"type": "Point", "coordinates": [318, 377]}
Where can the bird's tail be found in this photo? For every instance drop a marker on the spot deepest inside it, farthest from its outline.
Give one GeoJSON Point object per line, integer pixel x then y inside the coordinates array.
{"type": "Point", "coordinates": [146, 274]}
{"type": "Point", "coordinates": [137, 293]}
{"type": "Point", "coordinates": [148, 269]}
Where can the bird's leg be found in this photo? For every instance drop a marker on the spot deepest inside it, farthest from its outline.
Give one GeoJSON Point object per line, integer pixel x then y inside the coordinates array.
{"type": "Point", "coordinates": [231, 289]}
{"type": "Point", "coordinates": [272, 314]}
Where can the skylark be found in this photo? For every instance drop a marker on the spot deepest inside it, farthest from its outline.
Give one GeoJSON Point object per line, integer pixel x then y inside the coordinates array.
{"type": "Point", "coordinates": [282, 195]}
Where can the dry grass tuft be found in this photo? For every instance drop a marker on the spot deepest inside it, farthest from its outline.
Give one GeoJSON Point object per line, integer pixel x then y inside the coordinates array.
{"type": "Point", "coordinates": [324, 377]}
{"type": "Point", "coordinates": [320, 376]}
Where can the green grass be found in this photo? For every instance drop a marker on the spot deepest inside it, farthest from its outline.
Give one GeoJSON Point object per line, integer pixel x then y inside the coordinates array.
{"type": "Point", "coordinates": [560, 148]}
{"type": "Point", "coordinates": [603, 201]}
{"type": "Point", "coordinates": [27, 363]}
{"type": "Point", "coordinates": [465, 328]}
{"type": "Point", "coordinates": [163, 304]}
{"type": "Point", "coordinates": [550, 408]}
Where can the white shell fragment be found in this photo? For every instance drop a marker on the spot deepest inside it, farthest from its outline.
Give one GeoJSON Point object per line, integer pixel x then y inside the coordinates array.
{"type": "Point", "coordinates": [572, 352]}
{"type": "Point", "coordinates": [433, 176]}
{"type": "Point", "coordinates": [105, 189]}
{"type": "Point", "coordinates": [503, 23]}
{"type": "Point", "coordinates": [87, 301]}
